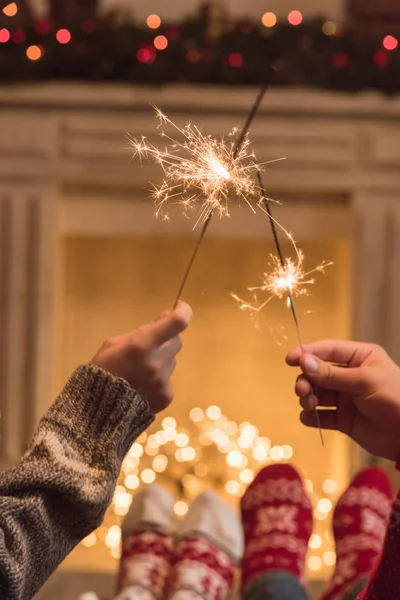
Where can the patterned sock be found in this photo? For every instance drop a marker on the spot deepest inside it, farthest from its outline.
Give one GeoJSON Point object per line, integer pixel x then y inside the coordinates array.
{"type": "Point", "coordinates": [359, 525]}
{"type": "Point", "coordinates": [209, 547]}
{"type": "Point", "coordinates": [147, 545]}
{"type": "Point", "coordinates": [277, 521]}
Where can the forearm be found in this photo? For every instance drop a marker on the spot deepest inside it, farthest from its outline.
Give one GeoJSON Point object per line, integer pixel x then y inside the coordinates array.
{"type": "Point", "coordinates": [59, 492]}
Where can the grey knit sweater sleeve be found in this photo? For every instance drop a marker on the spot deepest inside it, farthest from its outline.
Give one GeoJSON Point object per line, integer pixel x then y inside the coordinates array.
{"type": "Point", "coordinates": [59, 492]}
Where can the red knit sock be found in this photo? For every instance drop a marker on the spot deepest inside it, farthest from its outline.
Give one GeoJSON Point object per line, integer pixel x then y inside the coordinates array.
{"type": "Point", "coordinates": [147, 545]}
{"type": "Point", "coordinates": [209, 546]}
{"type": "Point", "coordinates": [277, 520]}
{"type": "Point", "coordinates": [359, 525]}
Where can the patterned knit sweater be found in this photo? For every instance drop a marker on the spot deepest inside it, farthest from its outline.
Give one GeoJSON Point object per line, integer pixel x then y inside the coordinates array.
{"type": "Point", "coordinates": [61, 489]}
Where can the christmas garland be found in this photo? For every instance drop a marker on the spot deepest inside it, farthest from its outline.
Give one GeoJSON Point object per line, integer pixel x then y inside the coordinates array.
{"type": "Point", "coordinates": [312, 54]}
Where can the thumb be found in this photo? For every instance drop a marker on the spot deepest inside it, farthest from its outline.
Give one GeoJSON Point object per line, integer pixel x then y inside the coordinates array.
{"type": "Point", "coordinates": [331, 377]}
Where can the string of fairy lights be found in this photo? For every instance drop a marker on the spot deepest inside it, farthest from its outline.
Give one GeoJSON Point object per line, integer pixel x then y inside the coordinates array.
{"type": "Point", "coordinates": [160, 42]}
{"type": "Point", "coordinates": [209, 451]}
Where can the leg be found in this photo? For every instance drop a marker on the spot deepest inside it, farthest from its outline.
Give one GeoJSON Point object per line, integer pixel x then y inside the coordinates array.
{"type": "Point", "coordinates": [147, 545]}
{"type": "Point", "coordinates": [277, 521]}
{"type": "Point", "coordinates": [359, 526]}
{"type": "Point", "coordinates": [209, 548]}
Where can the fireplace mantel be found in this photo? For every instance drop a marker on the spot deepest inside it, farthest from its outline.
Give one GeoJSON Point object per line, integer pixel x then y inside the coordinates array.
{"type": "Point", "coordinates": [64, 172]}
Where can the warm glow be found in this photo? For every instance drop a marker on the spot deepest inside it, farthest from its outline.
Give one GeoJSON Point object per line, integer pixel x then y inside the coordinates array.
{"type": "Point", "coordinates": [308, 484]}
{"type": "Point", "coordinates": [196, 415]}
{"type": "Point", "coordinates": [150, 451]}
{"type": "Point", "coordinates": [213, 412]}
{"type": "Point", "coordinates": [115, 553]}
{"type": "Point", "coordinates": [181, 508]}
{"type": "Point", "coordinates": [276, 453]}
{"type": "Point", "coordinates": [10, 10]}
{"type": "Point", "coordinates": [260, 453]}
{"type": "Point", "coordinates": [34, 52]}
{"type": "Point", "coordinates": [63, 36]}
{"type": "Point", "coordinates": [90, 540]}
{"type": "Point", "coordinates": [4, 35]}
{"type": "Point", "coordinates": [132, 482]}
{"type": "Point", "coordinates": [287, 452]}
{"type": "Point", "coordinates": [113, 536]}
{"type": "Point", "coordinates": [233, 487]}
{"type": "Point", "coordinates": [152, 441]}
{"type": "Point", "coordinates": [329, 558]}
{"type": "Point", "coordinates": [169, 423]}
{"type": "Point", "coordinates": [160, 42]}
{"type": "Point", "coordinates": [295, 17]}
{"type": "Point", "coordinates": [246, 476]}
{"type": "Point", "coordinates": [329, 28]}
{"type": "Point", "coordinates": [315, 542]}
{"type": "Point", "coordinates": [231, 428]}
{"type": "Point", "coordinates": [148, 476]}
{"type": "Point", "coordinates": [201, 470]}
{"type": "Point", "coordinates": [136, 450]}
{"type": "Point", "coordinates": [234, 458]}
{"type": "Point", "coordinates": [324, 505]}
{"type": "Point", "coordinates": [314, 563]}
{"type": "Point", "coordinates": [182, 440]}
{"type": "Point", "coordinates": [329, 486]}
{"type": "Point", "coordinates": [188, 454]}
{"type": "Point", "coordinates": [153, 21]}
{"type": "Point", "coordinates": [390, 42]}
{"type": "Point", "coordinates": [269, 19]}
{"type": "Point", "coordinates": [160, 463]}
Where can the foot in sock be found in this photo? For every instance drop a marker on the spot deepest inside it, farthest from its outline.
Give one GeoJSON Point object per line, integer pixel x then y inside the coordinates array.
{"type": "Point", "coordinates": [277, 522]}
{"type": "Point", "coordinates": [147, 545]}
{"type": "Point", "coordinates": [359, 525]}
{"type": "Point", "coordinates": [209, 546]}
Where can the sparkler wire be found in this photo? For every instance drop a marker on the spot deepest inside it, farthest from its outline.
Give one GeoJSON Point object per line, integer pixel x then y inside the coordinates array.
{"type": "Point", "coordinates": [290, 294]}
{"type": "Point", "coordinates": [250, 118]}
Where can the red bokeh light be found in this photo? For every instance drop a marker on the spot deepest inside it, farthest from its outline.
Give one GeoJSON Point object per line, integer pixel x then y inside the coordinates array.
{"type": "Point", "coordinates": [235, 60]}
{"type": "Point", "coordinates": [18, 36]}
{"type": "Point", "coordinates": [381, 58]}
{"type": "Point", "coordinates": [146, 55]}
{"type": "Point", "coordinates": [4, 35]}
{"type": "Point", "coordinates": [43, 26]}
{"type": "Point", "coordinates": [63, 36]}
{"type": "Point", "coordinates": [295, 17]}
{"type": "Point", "coordinates": [340, 60]}
{"type": "Point", "coordinates": [390, 42]}
{"type": "Point", "coordinates": [160, 42]}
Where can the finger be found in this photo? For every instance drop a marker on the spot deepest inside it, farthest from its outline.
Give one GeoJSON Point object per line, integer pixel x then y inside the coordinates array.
{"type": "Point", "coordinates": [338, 351]}
{"type": "Point", "coordinates": [162, 316]}
{"type": "Point", "coordinates": [325, 399]}
{"type": "Point", "coordinates": [330, 377]}
{"type": "Point", "coordinates": [169, 350]}
{"type": "Point", "coordinates": [327, 419]}
{"type": "Point", "coordinates": [171, 325]}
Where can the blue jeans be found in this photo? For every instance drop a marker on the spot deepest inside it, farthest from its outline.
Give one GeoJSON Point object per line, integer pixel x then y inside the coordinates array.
{"type": "Point", "coordinates": [282, 585]}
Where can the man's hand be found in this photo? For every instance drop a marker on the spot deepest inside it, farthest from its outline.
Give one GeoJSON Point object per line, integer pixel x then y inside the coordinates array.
{"type": "Point", "coordinates": [359, 392]}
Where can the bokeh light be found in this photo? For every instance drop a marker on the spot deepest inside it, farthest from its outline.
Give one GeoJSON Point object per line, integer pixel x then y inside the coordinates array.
{"type": "Point", "coordinates": [269, 19]}
{"type": "Point", "coordinates": [213, 412]}
{"type": "Point", "coordinates": [10, 10]}
{"type": "Point", "coordinates": [153, 21]}
{"type": "Point", "coordinates": [329, 28]}
{"type": "Point", "coordinates": [390, 42]}
{"type": "Point", "coordinates": [295, 17]}
{"type": "Point", "coordinates": [34, 52]}
{"type": "Point", "coordinates": [329, 486]}
{"type": "Point", "coordinates": [4, 35]}
{"type": "Point", "coordinates": [314, 563]}
{"type": "Point", "coordinates": [63, 36]}
{"type": "Point", "coordinates": [181, 508]}
{"type": "Point", "coordinates": [160, 42]}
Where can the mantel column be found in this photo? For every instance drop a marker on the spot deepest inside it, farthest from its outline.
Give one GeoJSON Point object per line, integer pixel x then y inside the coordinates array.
{"type": "Point", "coordinates": [27, 259]}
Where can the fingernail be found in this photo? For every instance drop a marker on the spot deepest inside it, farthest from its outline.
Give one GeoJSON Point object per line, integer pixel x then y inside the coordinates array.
{"type": "Point", "coordinates": [311, 364]}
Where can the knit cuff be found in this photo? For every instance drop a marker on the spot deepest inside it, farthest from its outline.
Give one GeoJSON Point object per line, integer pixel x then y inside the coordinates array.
{"type": "Point", "coordinates": [102, 412]}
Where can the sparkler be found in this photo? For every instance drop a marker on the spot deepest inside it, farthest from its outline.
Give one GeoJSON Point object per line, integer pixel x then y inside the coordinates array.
{"type": "Point", "coordinates": [202, 170]}
{"type": "Point", "coordinates": [287, 279]}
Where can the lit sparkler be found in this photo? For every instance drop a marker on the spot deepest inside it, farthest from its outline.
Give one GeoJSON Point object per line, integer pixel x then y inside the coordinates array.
{"type": "Point", "coordinates": [200, 170]}
{"type": "Point", "coordinates": [285, 281]}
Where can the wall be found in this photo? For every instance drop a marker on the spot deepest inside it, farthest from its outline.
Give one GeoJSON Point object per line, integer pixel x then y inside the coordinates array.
{"type": "Point", "coordinates": [179, 8]}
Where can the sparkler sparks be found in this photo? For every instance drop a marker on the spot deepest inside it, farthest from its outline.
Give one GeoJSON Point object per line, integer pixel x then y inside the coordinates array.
{"type": "Point", "coordinates": [286, 281]}
{"type": "Point", "coordinates": [201, 171]}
